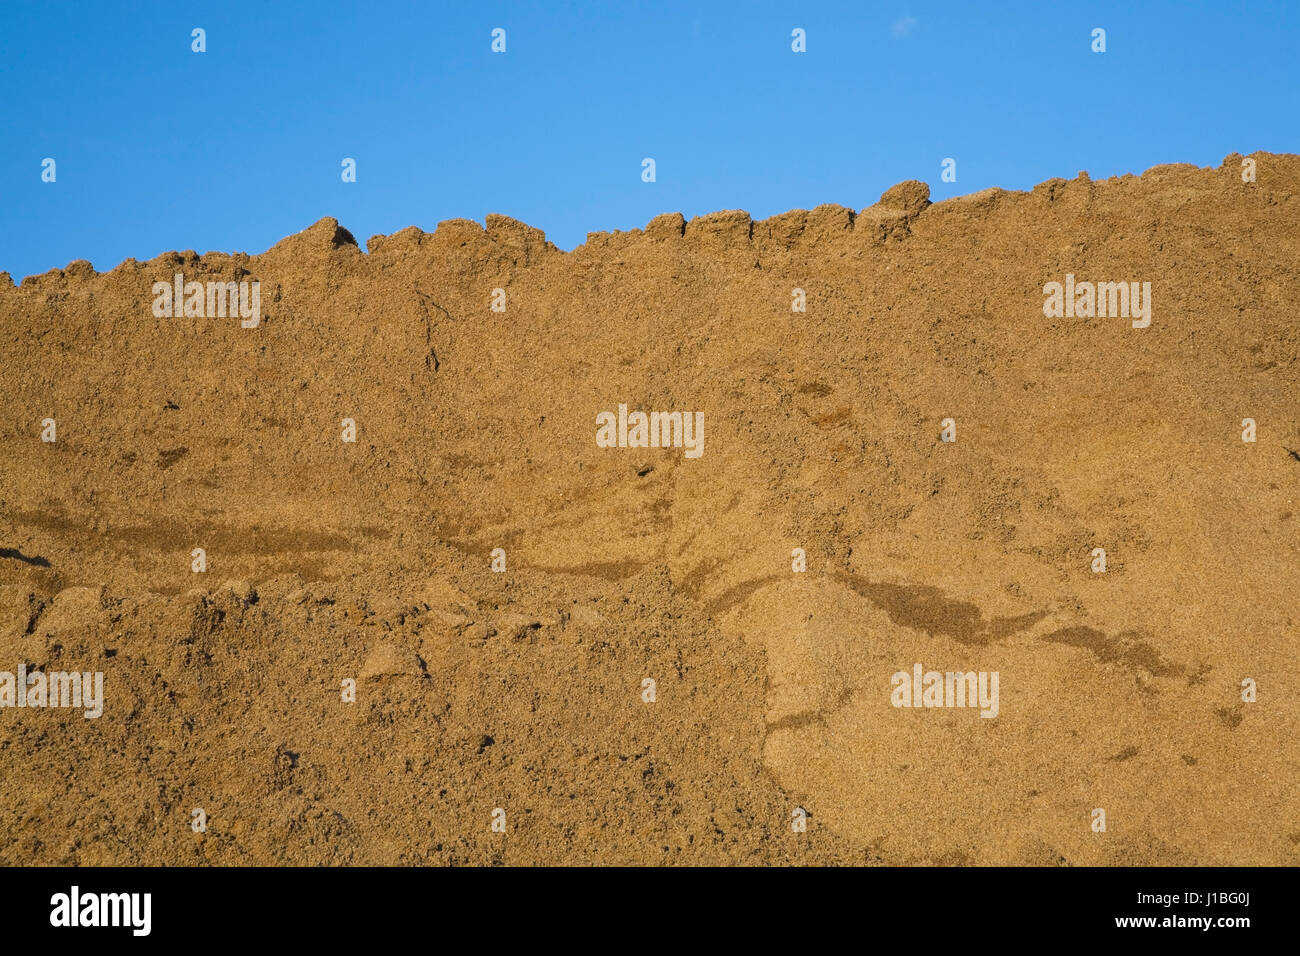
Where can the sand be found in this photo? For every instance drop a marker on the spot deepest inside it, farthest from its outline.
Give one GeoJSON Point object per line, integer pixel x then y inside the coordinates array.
{"type": "Point", "coordinates": [524, 690]}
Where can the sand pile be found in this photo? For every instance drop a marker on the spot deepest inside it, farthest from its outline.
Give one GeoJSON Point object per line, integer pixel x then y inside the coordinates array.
{"type": "Point", "coordinates": [473, 365]}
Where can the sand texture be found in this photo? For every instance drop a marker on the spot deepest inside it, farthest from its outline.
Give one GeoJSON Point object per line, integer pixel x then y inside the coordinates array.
{"type": "Point", "coordinates": [523, 689]}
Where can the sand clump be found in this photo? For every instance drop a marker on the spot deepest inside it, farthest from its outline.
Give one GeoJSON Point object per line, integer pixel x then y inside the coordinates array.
{"type": "Point", "coordinates": [525, 689]}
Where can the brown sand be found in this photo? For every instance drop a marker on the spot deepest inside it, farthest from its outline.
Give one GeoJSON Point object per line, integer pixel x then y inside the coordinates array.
{"type": "Point", "coordinates": [523, 690]}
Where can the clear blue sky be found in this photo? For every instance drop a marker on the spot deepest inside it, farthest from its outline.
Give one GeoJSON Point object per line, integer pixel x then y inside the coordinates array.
{"type": "Point", "coordinates": [160, 148]}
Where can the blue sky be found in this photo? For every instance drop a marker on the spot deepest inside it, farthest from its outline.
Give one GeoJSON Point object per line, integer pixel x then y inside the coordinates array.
{"type": "Point", "coordinates": [161, 148]}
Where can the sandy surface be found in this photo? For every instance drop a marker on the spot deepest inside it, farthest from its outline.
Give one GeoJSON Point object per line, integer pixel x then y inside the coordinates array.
{"type": "Point", "coordinates": [523, 689]}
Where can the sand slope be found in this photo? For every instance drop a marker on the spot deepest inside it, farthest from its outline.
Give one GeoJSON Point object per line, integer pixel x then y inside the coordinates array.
{"type": "Point", "coordinates": [522, 690]}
